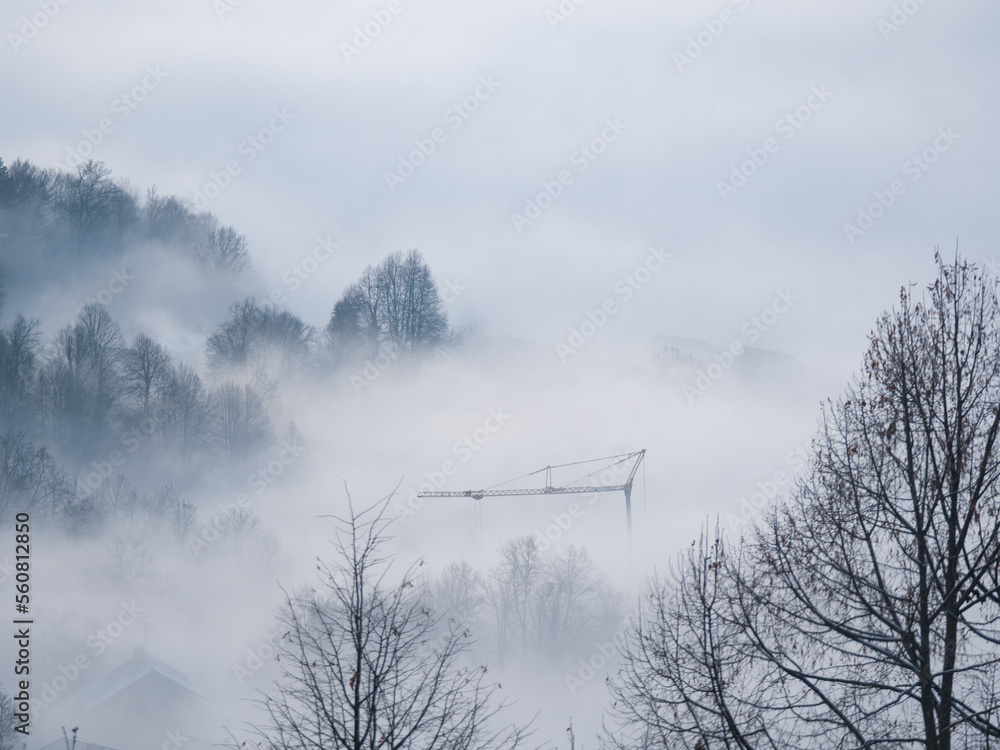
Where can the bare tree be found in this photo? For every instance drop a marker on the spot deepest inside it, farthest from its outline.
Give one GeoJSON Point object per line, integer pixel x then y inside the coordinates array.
{"type": "Point", "coordinates": [18, 355]}
{"type": "Point", "coordinates": [363, 668]}
{"type": "Point", "coordinates": [185, 419]}
{"type": "Point", "coordinates": [354, 323]}
{"type": "Point", "coordinates": [394, 305]}
{"type": "Point", "coordinates": [259, 337]}
{"type": "Point", "coordinates": [128, 566]}
{"type": "Point", "coordinates": [512, 592]}
{"type": "Point", "coordinates": [83, 378]}
{"type": "Point", "coordinates": [125, 218]}
{"type": "Point", "coordinates": [223, 251]}
{"type": "Point", "coordinates": [87, 200]}
{"type": "Point", "coordinates": [548, 605]}
{"type": "Point", "coordinates": [8, 735]}
{"type": "Point", "coordinates": [413, 316]}
{"type": "Point", "coordinates": [147, 372]}
{"type": "Point", "coordinates": [575, 604]}
{"type": "Point", "coordinates": [28, 475]}
{"type": "Point", "coordinates": [458, 592]}
{"type": "Point", "coordinates": [117, 498]}
{"type": "Point", "coordinates": [866, 612]}
{"type": "Point", "coordinates": [27, 212]}
{"type": "Point", "coordinates": [168, 220]}
{"type": "Point", "coordinates": [166, 511]}
{"type": "Point", "coordinates": [232, 344]}
{"type": "Point", "coordinates": [244, 541]}
{"type": "Point", "coordinates": [687, 675]}
{"type": "Point", "coordinates": [239, 423]}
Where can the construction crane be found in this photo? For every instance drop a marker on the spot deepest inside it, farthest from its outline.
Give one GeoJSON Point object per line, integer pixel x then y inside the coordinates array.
{"type": "Point", "coordinates": [566, 489]}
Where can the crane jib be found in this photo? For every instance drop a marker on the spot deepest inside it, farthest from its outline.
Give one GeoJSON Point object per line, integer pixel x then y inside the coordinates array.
{"type": "Point", "coordinates": [548, 489]}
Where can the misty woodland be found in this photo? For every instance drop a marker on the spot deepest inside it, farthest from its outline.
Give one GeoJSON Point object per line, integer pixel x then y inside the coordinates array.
{"type": "Point", "coordinates": [514, 375]}
{"type": "Point", "coordinates": [861, 608]}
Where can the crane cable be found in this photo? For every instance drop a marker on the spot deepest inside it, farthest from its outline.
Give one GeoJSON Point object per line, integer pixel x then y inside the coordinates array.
{"type": "Point", "coordinates": [621, 456]}
{"type": "Point", "coordinates": [601, 470]}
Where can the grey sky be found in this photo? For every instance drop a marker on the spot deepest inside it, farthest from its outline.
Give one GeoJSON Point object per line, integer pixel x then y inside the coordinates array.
{"type": "Point", "coordinates": [655, 185]}
{"type": "Point", "coordinates": [864, 100]}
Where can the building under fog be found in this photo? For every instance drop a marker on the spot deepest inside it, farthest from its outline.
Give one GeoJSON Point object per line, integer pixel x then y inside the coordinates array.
{"type": "Point", "coordinates": [141, 703]}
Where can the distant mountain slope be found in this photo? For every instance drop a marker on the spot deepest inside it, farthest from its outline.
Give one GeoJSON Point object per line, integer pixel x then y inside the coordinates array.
{"type": "Point", "coordinates": [699, 367]}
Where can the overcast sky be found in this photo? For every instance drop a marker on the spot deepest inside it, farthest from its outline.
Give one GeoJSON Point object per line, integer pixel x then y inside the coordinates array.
{"type": "Point", "coordinates": [695, 89]}
{"type": "Point", "coordinates": [692, 164]}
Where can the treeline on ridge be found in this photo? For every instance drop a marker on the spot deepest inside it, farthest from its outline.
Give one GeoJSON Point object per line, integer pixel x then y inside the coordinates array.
{"type": "Point", "coordinates": [72, 400]}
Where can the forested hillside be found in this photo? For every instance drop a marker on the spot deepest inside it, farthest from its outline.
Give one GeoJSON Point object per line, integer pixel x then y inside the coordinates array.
{"type": "Point", "coordinates": [76, 404]}
{"type": "Point", "coordinates": [139, 457]}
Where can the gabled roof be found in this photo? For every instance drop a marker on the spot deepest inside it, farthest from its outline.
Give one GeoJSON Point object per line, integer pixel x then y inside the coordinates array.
{"type": "Point", "coordinates": [110, 684]}
{"type": "Point", "coordinates": [60, 744]}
